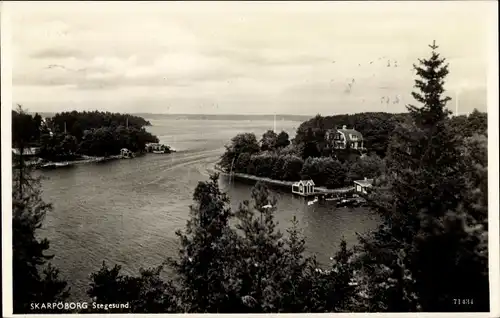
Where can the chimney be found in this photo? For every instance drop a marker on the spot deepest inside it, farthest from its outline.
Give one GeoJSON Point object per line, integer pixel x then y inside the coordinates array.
{"type": "Point", "coordinates": [344, 127]}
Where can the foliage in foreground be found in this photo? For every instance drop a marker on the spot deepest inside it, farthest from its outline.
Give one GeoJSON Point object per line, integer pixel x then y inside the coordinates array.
{"type": "Point", "coordinates": [249, 267]}
{"type": "Point", "coordinates": [35, 280]}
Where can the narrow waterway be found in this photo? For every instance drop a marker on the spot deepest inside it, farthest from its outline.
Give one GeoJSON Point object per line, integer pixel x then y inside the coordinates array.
{"type": "Point", "coordinates": [126, 212]}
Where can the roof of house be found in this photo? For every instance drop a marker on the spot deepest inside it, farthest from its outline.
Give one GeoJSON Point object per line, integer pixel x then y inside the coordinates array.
{"type": "Point", "coordinates": [349, 133]}
{"type": "Point", "coordinates": [304, 182]}
{"type": "Point", "coordinates": [364, 183]}
{"type": "Point", "coordinates": [26, 151]}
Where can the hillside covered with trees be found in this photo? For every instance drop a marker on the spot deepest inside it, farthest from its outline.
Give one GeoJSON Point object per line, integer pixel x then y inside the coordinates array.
{"type": "Point", "coordinates": [309, 155]}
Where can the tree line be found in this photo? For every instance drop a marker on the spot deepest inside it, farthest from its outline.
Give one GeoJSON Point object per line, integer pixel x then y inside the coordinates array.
{"type": "Point", "coordinates": [310, 156]}
{"type": "Point", "coordinates": [68, 135]}
{"type": "Point", "coordinates": [246, 155]}
{"type": "Point", "coordinates": [428, 254]}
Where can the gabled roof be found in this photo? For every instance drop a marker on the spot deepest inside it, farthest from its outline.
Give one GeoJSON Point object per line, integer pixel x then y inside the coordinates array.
{"type": "Point", "coordinates": [348, 133]}
{"type": "Point", "coordinates": [364, 183]}
{"type": "Point", "coordinates": [304, 182]}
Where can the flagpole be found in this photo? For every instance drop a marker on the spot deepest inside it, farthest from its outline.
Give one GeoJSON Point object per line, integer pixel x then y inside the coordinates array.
{"type": "Point", "coordinates": [274, 123]}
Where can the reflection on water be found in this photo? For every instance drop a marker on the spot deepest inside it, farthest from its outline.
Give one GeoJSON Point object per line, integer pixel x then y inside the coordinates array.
{"type": "Point", "coordinates": [126, 212]}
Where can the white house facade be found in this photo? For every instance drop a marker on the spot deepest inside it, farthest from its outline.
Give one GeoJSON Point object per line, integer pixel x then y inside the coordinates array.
{"type": "Point", "coordinates": [303, 187]}
{"type": "Point", "coordinates": [345, 138]}
{"type": "Point", "coordinates": [361, 186]}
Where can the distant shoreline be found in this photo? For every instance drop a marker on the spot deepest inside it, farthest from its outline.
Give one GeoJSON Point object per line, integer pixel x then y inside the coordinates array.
{"type": "Point", "coordinates": [279, 117]}
{"type": "Point", "coordinates": [70, 163]}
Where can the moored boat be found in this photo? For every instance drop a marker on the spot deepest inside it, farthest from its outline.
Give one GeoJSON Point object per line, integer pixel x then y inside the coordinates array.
{"type": "Point", "coordinates": [62, 164]}
{"type": "Point", "coordinates": [54, 165]}
{"type": "Point", "coordinates": [50, 165]}
{"type": "Point", "coordinates": [158, 148]}
{"type": "Point", "coordinates": [159, 151]}
{"type": "Point", "coordinates": [332, 199]}
{"type": "Point", "coordinates": [351, 202]}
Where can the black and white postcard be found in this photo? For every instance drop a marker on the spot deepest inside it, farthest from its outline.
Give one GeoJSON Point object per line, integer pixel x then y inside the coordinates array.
{"type": "Point", "coordinates": [250, 158]}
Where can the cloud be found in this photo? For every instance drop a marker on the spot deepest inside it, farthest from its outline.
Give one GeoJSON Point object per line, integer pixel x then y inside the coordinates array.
{"type": "Point", "coordinates": [290, 56]}
{"type": "Point", "coordinates": [57, 53]}
{"type": "Point", "coordinates": [111, 72]}
{"type": "Point", "coordinates": [268, 56]}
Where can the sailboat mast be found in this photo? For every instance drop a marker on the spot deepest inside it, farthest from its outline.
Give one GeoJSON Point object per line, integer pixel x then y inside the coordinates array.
{"type": "Point", "coordinates": [274, 129]}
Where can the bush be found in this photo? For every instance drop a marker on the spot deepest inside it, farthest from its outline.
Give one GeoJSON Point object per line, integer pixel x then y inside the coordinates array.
{"type": "Point", "coordinates": [323, 171]}
{"type": "Point", "coordinates": [365, 167]}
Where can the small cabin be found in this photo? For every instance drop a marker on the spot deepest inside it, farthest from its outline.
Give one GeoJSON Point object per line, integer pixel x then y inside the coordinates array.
{"type": "Point", "coordinates": [303, 187]}
{"type": "Point", "coordinates": [125, 153]}
{"type": "Point", "coordinates": [361, 185]}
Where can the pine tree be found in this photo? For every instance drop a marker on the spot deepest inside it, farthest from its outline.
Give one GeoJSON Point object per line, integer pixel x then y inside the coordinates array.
{"type": "Point", "coordinates": [262, 252]}
{"type": "Point", "coordinates": [424, 172]}
{"type": "Point", "coordinates": [146, 293]}
{"type": "Point", "coordinates": [204, 268]}
{"type": "Point", "coordinates": [432, 72]}
{"type": "Point", "coordinates": [295, 286]}
{"type": "Point", "coordinates": [34, 280]}
{"type": "Point", "coordinates": [424, 184]}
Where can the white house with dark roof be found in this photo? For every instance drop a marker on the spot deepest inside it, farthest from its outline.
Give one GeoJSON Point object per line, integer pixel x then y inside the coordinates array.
{"type": "Point", "coordinates": [345, 138]}
{"type": "Point", "coordinates": [362, 185]}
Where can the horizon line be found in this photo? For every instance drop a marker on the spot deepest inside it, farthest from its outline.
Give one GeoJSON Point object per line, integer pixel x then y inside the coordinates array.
{"type": "Point", "coordinates": [221, 114]}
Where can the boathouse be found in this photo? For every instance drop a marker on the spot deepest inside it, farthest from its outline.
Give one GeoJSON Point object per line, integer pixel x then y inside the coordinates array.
{"type": "Point", "coordinates": [303, 187]}
{"type": "Point", "coordinates": [125, 153]}
{"type": "Point", "coordinates": [362, 185]}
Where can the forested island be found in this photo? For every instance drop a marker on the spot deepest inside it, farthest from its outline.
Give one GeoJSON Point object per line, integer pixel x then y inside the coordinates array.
{"type": "Point", "coordinates": [430, 252]}
{"type": "Point", "coordinates": [71, 135]}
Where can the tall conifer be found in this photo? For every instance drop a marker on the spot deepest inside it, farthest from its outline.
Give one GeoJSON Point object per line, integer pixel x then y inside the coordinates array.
{"type": "Point", "coordinates": [420, 244]}
{"type": "Point", "coordinates": [34, 279]}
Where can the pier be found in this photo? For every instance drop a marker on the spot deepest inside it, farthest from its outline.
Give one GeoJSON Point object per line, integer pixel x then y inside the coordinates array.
{"type": "Point", "coordinates": [285, 184]}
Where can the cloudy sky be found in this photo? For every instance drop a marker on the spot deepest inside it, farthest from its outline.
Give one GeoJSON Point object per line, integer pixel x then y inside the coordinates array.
{"type": "Point", "coordinates": [293, 58]}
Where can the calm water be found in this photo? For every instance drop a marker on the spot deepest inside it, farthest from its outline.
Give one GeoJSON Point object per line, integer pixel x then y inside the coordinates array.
{"type": "Point", "coordinates": [126, 212]}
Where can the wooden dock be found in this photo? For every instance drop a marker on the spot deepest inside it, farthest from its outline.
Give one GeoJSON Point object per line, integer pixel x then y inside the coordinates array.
{"type": "Point", "coordinates": [288, 184]}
